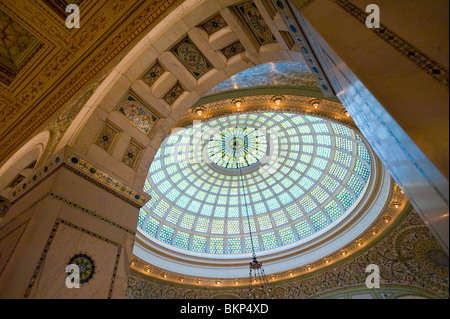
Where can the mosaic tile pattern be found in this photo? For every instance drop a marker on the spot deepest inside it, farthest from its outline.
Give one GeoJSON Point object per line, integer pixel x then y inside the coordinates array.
{"type": "Point", "coordinates": [433, 68]}
{"type": "Point", "coordinates": [131, 154]}
{"type": "Point", "coordinates": [106, 137]}
{"type": "Point", "coordinates": [138, 114]}
{"type": "Point", "coordinates": [17, 47]}
{"type": "Point", "coordinates": [214, 25]}
{"type": "Point", "coordinates": [302, 43]}
{"type": "Point", "coordinates": [153, 74]}
{"type": "Point", "coordinates": [270, 74]}
{"type": "Point", "coordinates": [173, 94]}
{"type": "Point", "coordinates": [192, 58]}
{"type": "Point", "coordinates": [86, 265]}
{"type": "Point", "coordinates": [313, 186]}
{"type": "Point", "coordinates": [233, 49]}
{"type": "Point", "coordinates": [255, 22]}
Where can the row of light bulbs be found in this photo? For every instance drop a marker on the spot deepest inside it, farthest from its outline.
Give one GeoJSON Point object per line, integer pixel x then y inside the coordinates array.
{"type": "Point", "coordinates": [276, 100]}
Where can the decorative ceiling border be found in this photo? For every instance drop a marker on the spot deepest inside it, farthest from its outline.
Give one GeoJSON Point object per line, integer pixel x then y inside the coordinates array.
{"type": "Point", "coordinates": [302, 43]}
{"type": "Point", "coordinates": [396, 209]}
{"type": "Point", "coordinates": [134, 30]}
{"type": "Point", "coordinates": [438, 72]}
{"type": "Point", "coordinates": [84, 169]}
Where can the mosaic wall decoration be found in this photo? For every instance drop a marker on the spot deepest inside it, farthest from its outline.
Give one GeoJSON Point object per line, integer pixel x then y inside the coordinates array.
{"type": "Point", "coordinates": [106, 137]}
{"type": "Point", "coordinates": [214, 25]}
{"type": "Point", "coordinates": [17, 47]}
{"type": "Point", "coordinates": [437, 71]}
{"type": "Point", "coordinates": [173, 94]}
{"type": "Point", "coordinates": [138, 114]}
{"type": "Point", "coordinates": [233, 49]}
{"type": "Point", "coordinates": [192, 58]}
{"type": "Point", "coordinates": [131, 154]}
{"type": "Point", "coordinates": [407, 258]}
{"type": "Point", "coordinates": [86, 265]}
{"type": "Point", "coordinates": [302, 43]}
{"type": "Point", "coordinates": [278, 74]}
{"type": "Point", "coordinates": [256, 23]}
{"type": "Point", "coordinates": [153, 74]}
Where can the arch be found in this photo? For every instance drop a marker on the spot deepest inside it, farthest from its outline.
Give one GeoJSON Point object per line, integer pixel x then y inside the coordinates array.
{"type": "Point", "coordinates": [23, 161]}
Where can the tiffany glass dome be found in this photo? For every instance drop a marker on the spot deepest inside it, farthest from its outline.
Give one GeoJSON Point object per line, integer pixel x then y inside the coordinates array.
{"type": "Point", "coordinates": [286, 178]}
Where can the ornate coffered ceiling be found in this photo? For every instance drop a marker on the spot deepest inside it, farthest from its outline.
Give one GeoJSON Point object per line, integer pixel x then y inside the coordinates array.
{"type": "Point", "coordinates": [44, 65]}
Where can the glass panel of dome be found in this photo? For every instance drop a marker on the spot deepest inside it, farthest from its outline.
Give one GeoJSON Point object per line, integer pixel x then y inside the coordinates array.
{"type": "Point", "coordinates": [220, 211]}
{"type": "Point", "coordinates": [306, 183]}
{"type": "Point", "coordinates": [245, 225]}
{"type": "Point", "coordinates": [217, 226]}
{"type": "Point", "coordinates": [343, 143]}
{"type": "Point", "coordinates": [320, 163]}
{"type": "Point", "coordinates": [147, 186]}
{"type": "Point", "coordinates": [294, 211]}
{"type": "Point", "coordinates": [161, 208]}
{"type": "Point", "coordinates": [340, 129]}
{"type": "Point", "coordinates": [362, 152]}
{"type": "Point", "coordinates": [362, 170]}
{"type": "Point", "coordinates": [345, 198]}
{"type": "Point", "coordinates": [342, 158]}
{"type": "Point", "coordinates": [338, 171]}
{"type": "Point", "coordinates": [314, 173]}
{"type": "Point", "coordinates": [323, 140]}
{"type": "Point", "coordinates": [307, 204]}
{"type": "Point", "coordinates": [330, 183]}
{"type": "Point", "coordinates": [152, 226]}
{"type": "Point", "coordinates": [174, 215]}
{"type": "Point", "coordinates": [182, 240]}
{"type": "Point", "coordinates": [319, 221]}
{"type": "Point", "coordinates": [173, 195]}
{"type": "Point", "coordinates": [233, 227]}
{"type": "Point", "coordinates": [320, 194]}
{"type": "Point", "coordinates": [202, 225]}
{"type": "Point", "coordinates": [313, 118]}
{"type": "Point", "coordinates": [285, 199]}
{"type": "Point", "coordinates": [280, 218]}
{"type": "Point", "coordinates": [273, 204]}
{"type": "Point", "coordinates": [260, 208]}
{"type": "Point", "coordinates": [234, 245]}
{"type": "Point", "coordinates": [142, 215]}
{"type": "Point", "coordinates": [307, 139]}
{"type": "Point", "coordinates": [248, 244]}
{"type": "Point", "coordinates": [333, 210]}
{"type": "Point", "coordinates": [166, 234]}
{"type": "Point", "coordinates": [216, 245]}
{"type": "Point", "coordinates": [303, 229]}
{"type": "Point", "coordinates": [305, 158]}
{"type": "Point", "coordinates": [355, 184]}
{"type": "Point", "coordinates": [323, 151]}
{"type": "Point", "coordinates": [269, 240]}
{"type": "Point", "coordinates": [217, 192]}
{"type": "Point", "coordinates": [286, 235]}
{"type": "Point", "coordinates": [199, 244]}
{"type": "Point", "coordinates": [296, 191]}
{"type": "Point", "coordinates": [320, 128]}
{"type": "Point", "coordinates": [187, 221]}
{"type": "Point", "coordinates": [207, 210]}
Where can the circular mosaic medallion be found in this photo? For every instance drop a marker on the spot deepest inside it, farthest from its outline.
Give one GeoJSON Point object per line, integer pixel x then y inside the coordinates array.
{"type": "Point", "coordinates": [86, 265]}
{"type": "Point", "coordinates": [237, 147]}
{"type": "Point", "coordinates": [430, 255]}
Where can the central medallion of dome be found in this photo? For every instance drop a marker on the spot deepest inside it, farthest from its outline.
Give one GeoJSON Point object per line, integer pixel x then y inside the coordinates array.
{"type": "Point", "coordinates": [237, 147]}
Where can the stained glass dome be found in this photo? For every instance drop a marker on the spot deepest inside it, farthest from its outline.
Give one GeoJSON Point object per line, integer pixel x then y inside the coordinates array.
{"type": "Point", "coordinates": [302, 174]}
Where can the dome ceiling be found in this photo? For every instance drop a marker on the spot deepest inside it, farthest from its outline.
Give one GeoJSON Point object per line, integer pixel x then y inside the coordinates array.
{"type": "Point", "coordinates": [302, 175]}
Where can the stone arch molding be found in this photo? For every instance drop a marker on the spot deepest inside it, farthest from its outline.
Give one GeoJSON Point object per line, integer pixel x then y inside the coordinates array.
{"type": "Point", "coordinates": [31, 152]}
{"type": "Point", "coordinates": [155, 49]}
